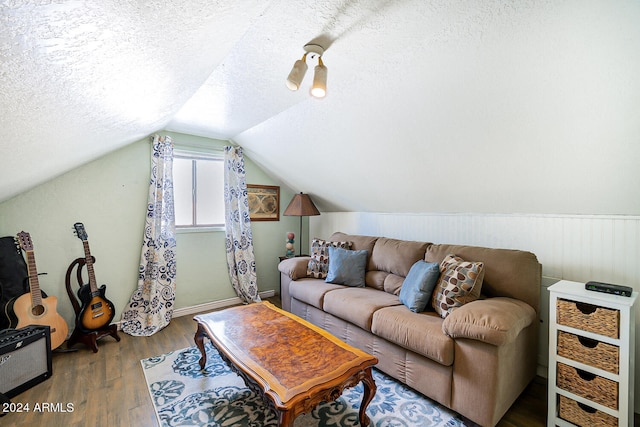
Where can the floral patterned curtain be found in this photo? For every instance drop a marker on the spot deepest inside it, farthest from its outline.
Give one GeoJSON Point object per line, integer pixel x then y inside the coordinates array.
{"type": "Point", "coordinates": [151, 305]}
{"type": "Point", "coordinates": [240, 256]}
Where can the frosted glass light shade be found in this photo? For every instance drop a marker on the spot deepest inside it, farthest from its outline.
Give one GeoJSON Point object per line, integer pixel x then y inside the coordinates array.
{"type": "Point", "coordinates": [297, 73]}
{"type": "Point", "coordinates": [319, 88]}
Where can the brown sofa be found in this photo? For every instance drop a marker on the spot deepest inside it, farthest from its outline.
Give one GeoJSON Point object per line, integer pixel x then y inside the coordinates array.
{"type": "Point", "coordinates": [476, 361]}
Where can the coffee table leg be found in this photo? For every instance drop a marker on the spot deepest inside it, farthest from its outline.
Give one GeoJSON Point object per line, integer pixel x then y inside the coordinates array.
{"type": "Point", "coordinates": [284, 419]}
{"type": "Point", "coordinates": [369, 391]}
{"type": "Point", "coordinates": [199, 339]}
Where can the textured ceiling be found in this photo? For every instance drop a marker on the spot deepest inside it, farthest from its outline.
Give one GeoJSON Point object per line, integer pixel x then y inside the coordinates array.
{"type": "Point", "coordinates": [442, 105]}
{"type": "Point", "coordinates": [83, 78]}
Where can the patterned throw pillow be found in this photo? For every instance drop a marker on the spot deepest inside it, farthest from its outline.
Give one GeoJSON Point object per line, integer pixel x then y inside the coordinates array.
{"type": "Point", "coordinates": [459, 283]}
{"type": "Point", "coordinates": [318, 265]}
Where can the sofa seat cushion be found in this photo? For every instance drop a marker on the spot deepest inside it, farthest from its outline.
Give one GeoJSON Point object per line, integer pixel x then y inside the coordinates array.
{"type": "Point", "coordinates": [419, 332]}
{"type": "Point", "coordinates": [311, 291]}
{"type": "Point", "coordinates": [494, 321]}
{"type": "Point", "coordinates": [357, 305]}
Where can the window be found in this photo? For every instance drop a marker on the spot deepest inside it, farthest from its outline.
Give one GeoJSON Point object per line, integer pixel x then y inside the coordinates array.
{"type": "Point", "coordinates": [198, 190]}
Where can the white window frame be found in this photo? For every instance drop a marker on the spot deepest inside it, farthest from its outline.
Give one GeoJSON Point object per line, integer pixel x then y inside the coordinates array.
{"type": "Point", "coordinates": [180, 153]}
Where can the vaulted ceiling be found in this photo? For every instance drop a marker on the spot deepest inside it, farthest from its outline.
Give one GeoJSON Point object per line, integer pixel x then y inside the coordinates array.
{"type": "Point", "coordinates": [432, 106]}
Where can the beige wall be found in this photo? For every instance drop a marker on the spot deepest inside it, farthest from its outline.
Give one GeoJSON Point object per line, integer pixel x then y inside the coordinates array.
{"type": "Point", "coordinates": [109, 197]}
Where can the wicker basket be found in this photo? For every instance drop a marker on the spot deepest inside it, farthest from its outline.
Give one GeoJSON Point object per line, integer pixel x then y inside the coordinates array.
{"type": "Point", "coordinates": [590, 352]}
{"type": "Point", "coordinates": [590, 386]}
{"type": "Point", "coordinates": [587, 317]}
{"type": "Point", "coordinates": [583, 415]}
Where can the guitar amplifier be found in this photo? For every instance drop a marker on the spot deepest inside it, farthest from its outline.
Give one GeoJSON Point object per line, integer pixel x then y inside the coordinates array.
{"type": "Point", "coordinates": [25, 358]}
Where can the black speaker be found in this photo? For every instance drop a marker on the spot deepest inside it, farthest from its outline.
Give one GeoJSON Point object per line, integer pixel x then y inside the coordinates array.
{"type": "Point", "coordinates": [25, 358]}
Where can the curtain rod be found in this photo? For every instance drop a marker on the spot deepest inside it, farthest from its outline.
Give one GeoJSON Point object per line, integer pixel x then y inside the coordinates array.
{"type": "Point", "coordinates": [186, 145]}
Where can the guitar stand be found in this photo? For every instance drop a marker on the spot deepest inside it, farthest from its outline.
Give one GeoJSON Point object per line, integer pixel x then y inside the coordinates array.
{"type": "Point", "coordinates": [78, 336]}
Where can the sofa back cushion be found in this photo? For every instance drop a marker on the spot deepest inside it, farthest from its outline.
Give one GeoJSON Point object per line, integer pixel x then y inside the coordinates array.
{"type": "Point", "coordinates": [396, 256]}
{"type": "Point", "coordinates": [508, 273]}
{"type": "Point", "coordinates": [389, 259]}
{"type": "Point", "coordinates": [358, 243]}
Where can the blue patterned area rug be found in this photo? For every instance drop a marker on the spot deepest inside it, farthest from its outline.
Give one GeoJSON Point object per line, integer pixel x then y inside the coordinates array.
{"type": "Point", "coordinates": [183, 395]}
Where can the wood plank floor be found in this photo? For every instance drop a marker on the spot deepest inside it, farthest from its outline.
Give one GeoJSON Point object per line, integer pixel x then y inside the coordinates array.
{"type": "Point", "coordinates": [108, 388]}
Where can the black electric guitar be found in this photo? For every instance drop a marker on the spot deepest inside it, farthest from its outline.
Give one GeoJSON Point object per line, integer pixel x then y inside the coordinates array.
{"type": "Point", "coordinates": [97, 311]}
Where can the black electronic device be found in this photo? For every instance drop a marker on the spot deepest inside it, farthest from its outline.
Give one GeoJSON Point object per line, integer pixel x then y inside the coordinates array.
{"type": "Point", "coordinates": [25, 358]}
{"type": "Point", "coordinates": [609, 288]}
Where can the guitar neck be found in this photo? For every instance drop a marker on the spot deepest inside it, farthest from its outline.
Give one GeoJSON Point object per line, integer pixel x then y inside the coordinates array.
{"type": "Point", "coordinates": [89, 263]}
{"type": "Point", "coordinates": [34, 285]}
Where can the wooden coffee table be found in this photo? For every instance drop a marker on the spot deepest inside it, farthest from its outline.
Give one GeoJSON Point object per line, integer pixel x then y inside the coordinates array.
{"type": "Point", "coordinates": [293, 364]}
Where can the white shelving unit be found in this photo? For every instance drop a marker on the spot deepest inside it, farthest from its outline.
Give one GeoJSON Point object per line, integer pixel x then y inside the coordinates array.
{"type": "Point", "coordinates": [591, 311]}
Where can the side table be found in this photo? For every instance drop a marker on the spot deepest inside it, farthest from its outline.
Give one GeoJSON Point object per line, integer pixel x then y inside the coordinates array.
{"type": "Point", "coordinates": [591, 357]}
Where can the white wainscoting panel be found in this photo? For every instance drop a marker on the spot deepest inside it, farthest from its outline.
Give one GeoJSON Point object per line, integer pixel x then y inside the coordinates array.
{"type": "Point", "coordinates": [579, 248]}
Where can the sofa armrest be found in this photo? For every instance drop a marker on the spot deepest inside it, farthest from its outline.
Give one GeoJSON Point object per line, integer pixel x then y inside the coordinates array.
{"type": "Point", "coordinates": [496, 321]}
{"type": "Point", "coordinates": [295, 268]}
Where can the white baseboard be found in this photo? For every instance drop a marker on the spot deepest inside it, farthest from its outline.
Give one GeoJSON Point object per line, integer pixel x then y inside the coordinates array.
{"type": "Point", "coordinates": [542, 371]}
{"type": "Point", "coordinates": [209, 306]}
{"type": "Point", "coordinates": [214, 305]}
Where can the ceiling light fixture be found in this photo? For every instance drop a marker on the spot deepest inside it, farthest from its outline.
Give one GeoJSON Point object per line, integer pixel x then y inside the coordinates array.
{"type": "Point", "coordinates": [319, 88]}
{"type": "Point", "coordinates": [297, 73]}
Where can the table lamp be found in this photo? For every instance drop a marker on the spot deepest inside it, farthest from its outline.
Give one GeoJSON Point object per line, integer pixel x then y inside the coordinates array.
{"type": "Point", "coordinates": [301, 205]}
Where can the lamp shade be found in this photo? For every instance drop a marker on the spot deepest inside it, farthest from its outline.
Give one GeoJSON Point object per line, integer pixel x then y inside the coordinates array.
{"type": "Point", "coordinates": [301, 205]}
{"type": "Point", "coordinates": [319, 88]}
{"type": "Point", "coordinates": [297, 73]}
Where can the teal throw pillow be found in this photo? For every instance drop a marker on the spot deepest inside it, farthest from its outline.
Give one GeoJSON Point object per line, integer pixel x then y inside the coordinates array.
{"type": "Point", "coordinates": [419, 284]}
{"type": "Point", "coordinates": [346, 267]}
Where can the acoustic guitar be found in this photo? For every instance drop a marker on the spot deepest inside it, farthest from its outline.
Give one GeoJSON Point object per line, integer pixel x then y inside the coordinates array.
{"type": "Point", "coordinates": [97, 311]}
{"type": "Point", "coordinates": [33, 308]}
